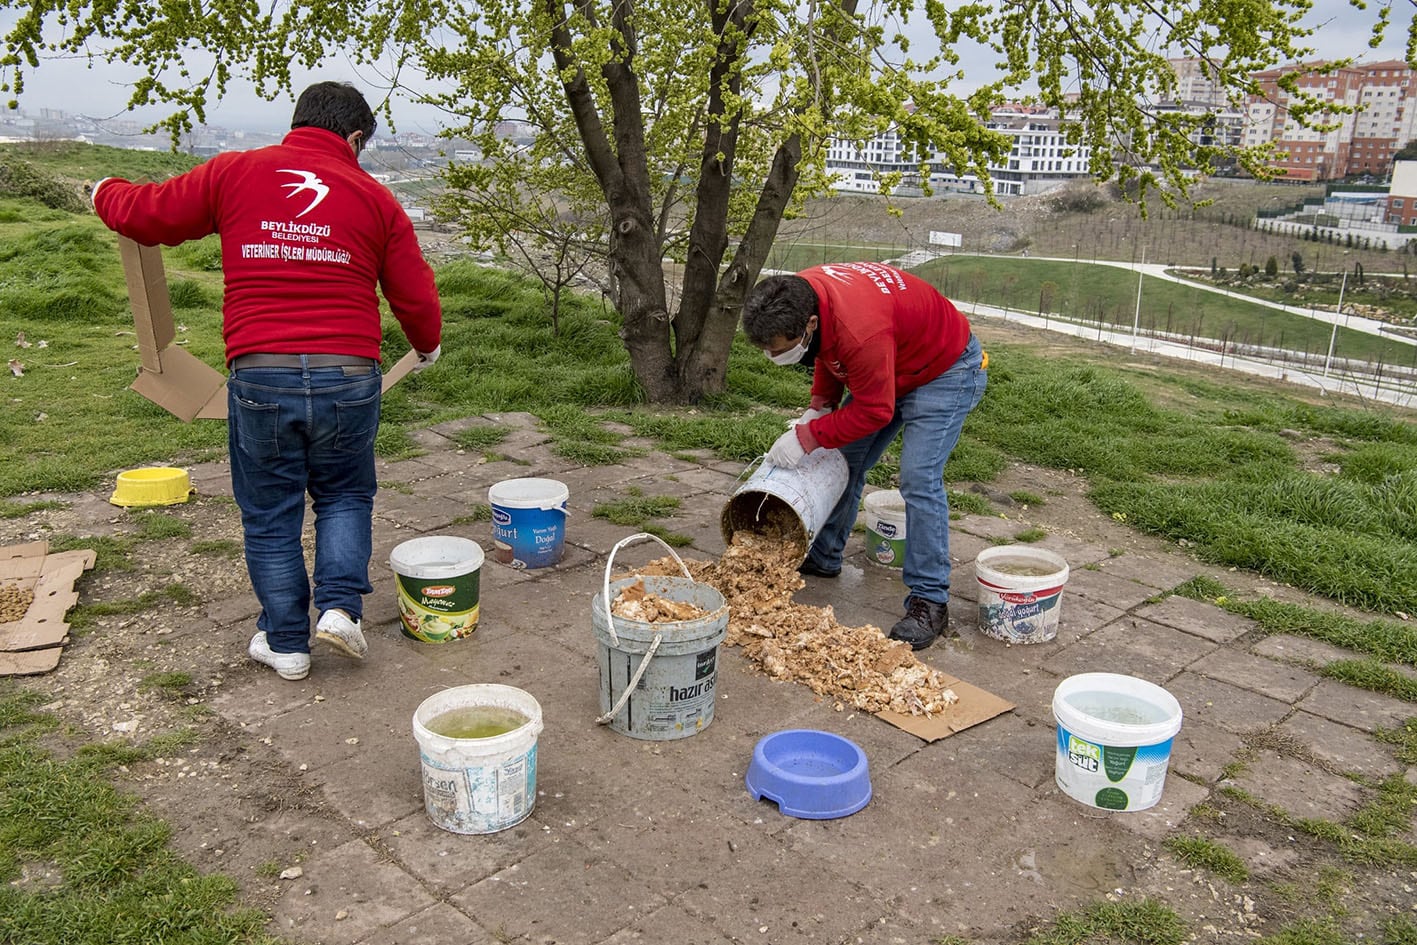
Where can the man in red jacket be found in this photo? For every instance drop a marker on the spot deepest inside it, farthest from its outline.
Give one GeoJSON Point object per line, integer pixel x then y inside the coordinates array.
{"type": "Point", "coordinates": [911, 364]}
{"type": "Point", "coordinates": [307, 237]}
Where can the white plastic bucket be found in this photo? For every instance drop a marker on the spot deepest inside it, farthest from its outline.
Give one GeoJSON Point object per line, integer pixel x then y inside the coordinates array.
{"type": "Point", "coordinates": [658, 681]}
{"type": "Point", "coordinates": [528, 521]}
{"type": "Point", "coordinates": [439, 581]}
{"type": "Point", "coordinates": [1020, 607]}
{"type": "Point", "coordinates": [803, 497]}
{"type": "Point", "coordinates": [478, 785]}
{"type": "Point", "coordinates": [1114, 739]}
{"type": "Point", "coordinates": [885, 528]}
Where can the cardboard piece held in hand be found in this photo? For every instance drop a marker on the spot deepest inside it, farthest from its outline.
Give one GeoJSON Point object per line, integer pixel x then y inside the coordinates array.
{"type": "Point", "coordinates": [168, 375]}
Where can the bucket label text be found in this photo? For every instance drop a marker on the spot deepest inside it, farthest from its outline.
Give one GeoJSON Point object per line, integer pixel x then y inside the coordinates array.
{"type": "Point", "coordinates": [682, 693]}
{"type": "Point", "coordinates": [1084, 755]}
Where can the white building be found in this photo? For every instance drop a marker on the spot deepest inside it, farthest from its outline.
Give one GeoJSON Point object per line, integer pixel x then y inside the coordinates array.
{"type": "Point", "coordinates": [1038, 161]}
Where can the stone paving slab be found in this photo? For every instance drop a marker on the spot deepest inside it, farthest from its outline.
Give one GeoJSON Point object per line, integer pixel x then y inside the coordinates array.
{"type": "Point", "coordinates": [1164, 819]}
{"type": "Point", "coordinates": [562, 892]}
{"type": "Point", "coordinates": [346, 894]}
{"type": "Point", "coordinates": [438, 923]}
{"type": "Point", "coordinates": [1301, 650]}
{"type": "Point", "coordinates": [1363, 710]}
{"type": "Point", "coordinates": [670, 924]}
{"type": "Point", "coordinates": [647, 841]}
{"type": "Point", "coordinates": [1228, 707]}
{"type": "Point", "coordinates": [1202, 751]}
{"type": "Point", "coordinates": [1300, 788]}
{"type": "Point", "coordinates": [1345, 748]}
{"type": "Point", "coordinates": [1110, 589]}
{"type": "Point", "coordinates": [1276, 680]}
{"type": "Point", "coordinates": [1133, 646]}
{"type": "Point", "coordinates": [1160, 573]}
{"type": "Point", "coordinates": [1197, 617]}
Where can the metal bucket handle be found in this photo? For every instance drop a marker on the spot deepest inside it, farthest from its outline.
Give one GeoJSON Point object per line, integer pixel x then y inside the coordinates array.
{"type": "Point", "coordinates": [610, 622]}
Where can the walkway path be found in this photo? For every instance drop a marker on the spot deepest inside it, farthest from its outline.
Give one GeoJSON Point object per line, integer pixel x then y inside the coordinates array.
{"type": "Point", "coordinates": [659, 842]}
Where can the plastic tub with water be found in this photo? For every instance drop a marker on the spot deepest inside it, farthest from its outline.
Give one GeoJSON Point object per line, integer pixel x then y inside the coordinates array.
{"type": "Point", "coordinates": [1020, 593]}
{"type": "Point", "coordinates": [1114, 739]}
{"type": "Point", "coordinates": [484, 782]}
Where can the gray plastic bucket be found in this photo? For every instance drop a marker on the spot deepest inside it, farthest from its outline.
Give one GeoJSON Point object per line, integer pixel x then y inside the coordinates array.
{"type": "Point", "coordinates": [809, 492]}
{"type": "Point", "coordinates": [658, 680]}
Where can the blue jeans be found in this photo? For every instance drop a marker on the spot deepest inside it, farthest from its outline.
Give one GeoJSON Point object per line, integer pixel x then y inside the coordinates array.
{"type": "Point", "coordinates": [932, 417]}
{"type": "Point", "coordinates": [289, 431]}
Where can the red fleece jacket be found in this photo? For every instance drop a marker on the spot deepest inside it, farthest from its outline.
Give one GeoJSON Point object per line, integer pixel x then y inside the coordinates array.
{"type": "Point", "coordinates": [306, 236]}
{"type": "Point", "coordinates": [884, 333]}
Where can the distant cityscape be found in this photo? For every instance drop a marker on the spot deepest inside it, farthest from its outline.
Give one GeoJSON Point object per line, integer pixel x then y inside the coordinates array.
{"type": "Point", "coordinates": [1359, 146]}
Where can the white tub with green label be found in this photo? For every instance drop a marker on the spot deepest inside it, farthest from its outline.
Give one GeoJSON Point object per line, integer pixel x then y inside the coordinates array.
{"type": "Point", "coordinates": [1114, 740]}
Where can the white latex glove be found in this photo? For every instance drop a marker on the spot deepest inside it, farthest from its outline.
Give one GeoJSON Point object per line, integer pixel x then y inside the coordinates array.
{"type": "Point", "coordinates": [787, 452]}
{"type": "Point", "coordinates": [809, 415]}
{"type": "Point", "coordinates": [426, 358]}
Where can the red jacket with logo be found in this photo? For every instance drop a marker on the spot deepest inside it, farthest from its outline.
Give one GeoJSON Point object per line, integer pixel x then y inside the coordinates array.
{"type": "Point", "coordinates": [306, 236]}
{"type": "Point", "coordinates": [884, 333]}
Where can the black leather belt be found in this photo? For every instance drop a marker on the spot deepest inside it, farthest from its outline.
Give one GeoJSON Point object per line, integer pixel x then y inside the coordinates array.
{"type": "Point", "coordinates": [293, 361]}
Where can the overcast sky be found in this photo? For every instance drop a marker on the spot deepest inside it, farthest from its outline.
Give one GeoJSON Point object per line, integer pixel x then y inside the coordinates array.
{"type": "Point", "coordinates": [102, 90]}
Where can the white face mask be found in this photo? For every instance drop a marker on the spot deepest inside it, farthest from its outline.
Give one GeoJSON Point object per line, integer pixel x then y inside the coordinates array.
{"type": "Point", "coordinates": [793, 354]}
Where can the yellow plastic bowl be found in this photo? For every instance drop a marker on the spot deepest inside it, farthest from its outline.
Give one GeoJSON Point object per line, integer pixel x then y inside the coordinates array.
{"type": "Point", "coordinates": [158, 485]}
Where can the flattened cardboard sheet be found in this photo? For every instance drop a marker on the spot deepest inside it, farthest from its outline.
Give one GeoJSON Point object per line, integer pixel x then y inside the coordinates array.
{"type": "Point", "coordinates": [32, 644]}
{"type": "Point", "coordinates": [169, 375]}
{"type": "Point", "coordinates": [975, 705]}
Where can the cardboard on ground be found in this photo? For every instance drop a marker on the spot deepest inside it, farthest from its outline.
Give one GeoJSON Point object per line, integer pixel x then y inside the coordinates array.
{"type": "Point", "coordinates": [975, 705]}
{"type": "Point", "coordinates": [170, 376]}
{"type": "Point", "coordinates": [31, 644]}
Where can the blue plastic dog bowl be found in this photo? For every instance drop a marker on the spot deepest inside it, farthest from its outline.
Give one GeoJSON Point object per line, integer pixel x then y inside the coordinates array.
{"type": "Point", "coordinates": [810, 774]}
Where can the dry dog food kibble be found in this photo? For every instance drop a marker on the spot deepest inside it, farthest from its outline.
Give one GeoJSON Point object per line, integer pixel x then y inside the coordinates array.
{"type": "Point", "coordinates": [14, 602]}
{"type": "Point", "coordinates": [859, 666]}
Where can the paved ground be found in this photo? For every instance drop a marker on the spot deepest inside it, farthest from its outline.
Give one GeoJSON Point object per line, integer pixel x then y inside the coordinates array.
{"type": "Point", "coordinates": [658, 841]}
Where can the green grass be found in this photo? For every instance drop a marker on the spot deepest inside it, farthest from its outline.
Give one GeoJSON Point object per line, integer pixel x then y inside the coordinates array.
{"type": "Point", "coordinates": [1390, 641]}
{"type": "Point", "coordinates": [638, 511]}
{"type": "Point", "coordinates": [1094, 294]}
{"type": "Point", "coordinates": [1370, 836]}
{"type": "Point", "coordinates": [112, 876]}
{"type": "Point", "coordinates": [1404, 738]}
{"type": "Point", "coordinates": [169, 682]}
{"type": "Point", "coordinates": [1030, 535]}
{"type": "Point", "coordinates": [1204, 853]}
{"type": "Point", "coordinates": [155, 526]}
{"type": "Point", "coordinates": [21, 509]}
{"type": "Point", "coordinates": [1324, 931]}
{"type": "Point", "coordinates": [1218, 474]}
{"type": "Point", "coordinates": [84, 616]}
{"type": "Point", "coordinates": [111, 552]}
{"type": "Point", "coordinates": [969, 503]}
{"type": "Point", "coordinates": [1027, 498]}
{"type": "Point", "coordinates": [480, 438]}
{"type": "Point", "coordinates": [217, 547]}
{"type": "Point", "coordinates": [1143, 922]}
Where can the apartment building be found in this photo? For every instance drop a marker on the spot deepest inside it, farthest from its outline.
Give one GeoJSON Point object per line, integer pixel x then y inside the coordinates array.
{"type": "Point", "coordinates": [1383, 96]}
{"type": "Point", "coordinates": [1039, 159]}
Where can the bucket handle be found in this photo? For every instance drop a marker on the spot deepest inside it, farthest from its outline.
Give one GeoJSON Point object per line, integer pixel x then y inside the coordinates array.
{"type": "Point", "coordinates": [610, 622]}
{"type": "Point", "coordinates": [759, 460]}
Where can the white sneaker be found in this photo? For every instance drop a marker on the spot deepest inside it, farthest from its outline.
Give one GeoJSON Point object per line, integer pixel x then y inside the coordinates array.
{"type": "Point", "coordinates": [336, 629]}
{"type": "Point", "coordinates": [288, 665]}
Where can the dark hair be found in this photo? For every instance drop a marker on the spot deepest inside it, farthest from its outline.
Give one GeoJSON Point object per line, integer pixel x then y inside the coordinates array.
{"type": "Point", "coordinates": [337, 107]}
{"type": "Point", "coordinates": [778, 307]}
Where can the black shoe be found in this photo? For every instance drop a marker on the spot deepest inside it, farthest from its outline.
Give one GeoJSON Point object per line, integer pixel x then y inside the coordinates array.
{"type": "Point", "coordinates": [807, 567]}
{"type": "Point", "coordinates": [922, 624]}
